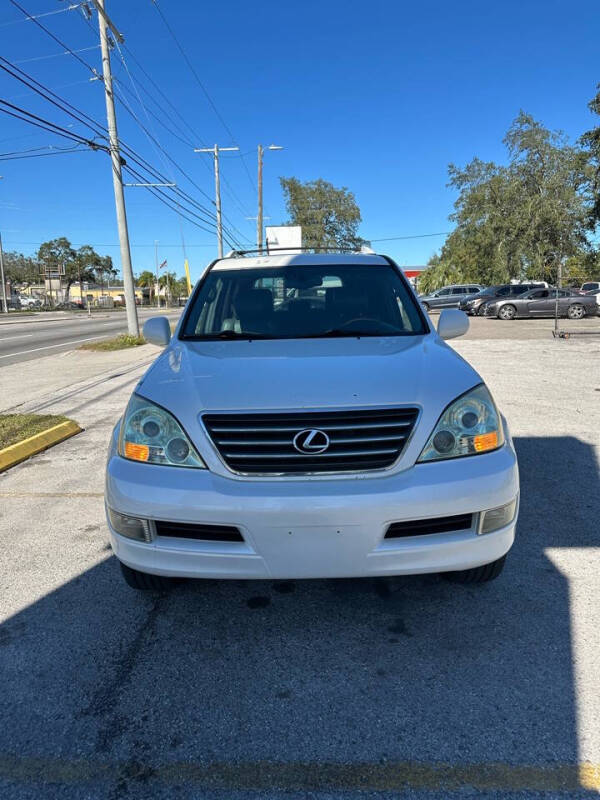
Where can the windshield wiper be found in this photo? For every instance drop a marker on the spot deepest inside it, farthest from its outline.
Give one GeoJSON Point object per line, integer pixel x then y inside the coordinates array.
{"type": "Point", "coordinates": [232, 335]}
{"type": "Point", "coordinates": [345, 332]}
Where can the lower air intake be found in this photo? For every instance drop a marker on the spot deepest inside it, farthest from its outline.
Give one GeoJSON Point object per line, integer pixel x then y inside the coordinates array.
{"type": "Point", "coordinates": [423, 527]}
{"type": "Point", "coordinates": [203, 533]}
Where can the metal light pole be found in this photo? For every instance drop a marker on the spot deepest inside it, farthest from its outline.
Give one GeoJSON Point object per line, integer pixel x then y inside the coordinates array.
{"type": "Point", "coordinates": [259, 218]}
{"type": "Point", "coordinates": [215, 151]}
{"type": "Point", "coordinates": [128, 285]}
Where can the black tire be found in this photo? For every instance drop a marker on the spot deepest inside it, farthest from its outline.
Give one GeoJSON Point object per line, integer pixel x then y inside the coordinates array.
{"type": "Point", "coordinates": [144, 581]}
{"type": "Point", "coordinates": [425, 306]}
{"type": "Point", "coordinates": [576, 311]}
{"type": "Point", "coordinates": [507, 312]}
{"type": "Point", "coordinates": [483, 574]}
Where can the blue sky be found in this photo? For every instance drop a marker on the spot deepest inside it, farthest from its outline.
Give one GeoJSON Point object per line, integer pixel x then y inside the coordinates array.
{"type": "Point", "coordinates": [377, 96]}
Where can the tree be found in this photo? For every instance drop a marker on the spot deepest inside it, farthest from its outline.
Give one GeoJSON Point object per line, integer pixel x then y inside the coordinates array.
{"type": "Point", "coordinates": [329, 217]}
{"type": "Point", "coordinates": [147, 280]}
{"type": "Point", "coordinates": [84, 264]}
{"type": "Point", "coordinates": [591, 144]}
{"type": "Point", "coordinates": [20, 269]}
{"type": "Point", "coordinates": [522, 220]}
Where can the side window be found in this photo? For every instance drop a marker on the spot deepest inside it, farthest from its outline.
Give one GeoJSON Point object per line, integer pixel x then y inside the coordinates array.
{"type": "Point", "coordinates": [504, 291]}
{"type": "Point", "coordinates": [458, 290]}
{"type": "Point", "coordinates": [539, 294]}
{"type": "Point", "coordinates": [444, 292]}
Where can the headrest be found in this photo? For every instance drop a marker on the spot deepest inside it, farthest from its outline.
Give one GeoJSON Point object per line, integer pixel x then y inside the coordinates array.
{"type": "Point", "coordinates": [254, 301]}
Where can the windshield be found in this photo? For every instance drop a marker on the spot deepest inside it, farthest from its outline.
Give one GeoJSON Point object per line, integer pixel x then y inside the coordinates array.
{"type": "Point", "coordinates": [303, 301]}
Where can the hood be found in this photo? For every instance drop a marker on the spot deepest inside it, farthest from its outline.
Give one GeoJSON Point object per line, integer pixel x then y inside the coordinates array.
{"type": "Point", "coordinates": [190, 378]}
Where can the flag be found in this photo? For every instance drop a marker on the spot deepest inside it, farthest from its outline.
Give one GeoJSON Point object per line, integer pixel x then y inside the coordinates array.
{"type": "Point", "coordinates": [164, 264]}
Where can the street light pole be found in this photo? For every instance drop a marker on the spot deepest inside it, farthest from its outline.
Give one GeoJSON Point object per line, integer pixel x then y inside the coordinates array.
{"type": "Point", "coordinates": [215, 151]}
{"type": "Point", "coordinates": [259, 218]}
{"type": "Point", "coordinates": [115, 155]}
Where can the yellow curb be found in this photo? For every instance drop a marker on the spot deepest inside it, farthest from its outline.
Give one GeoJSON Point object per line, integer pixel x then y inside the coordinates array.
{"type": "Point", "coordinates": [18, 452]}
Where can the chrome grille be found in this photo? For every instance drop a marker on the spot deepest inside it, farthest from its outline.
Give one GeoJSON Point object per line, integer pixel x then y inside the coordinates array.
{"type": "Point", "coordinates": [264, 443]}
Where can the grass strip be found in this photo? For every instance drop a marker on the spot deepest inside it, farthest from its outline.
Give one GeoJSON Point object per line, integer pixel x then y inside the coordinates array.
{"type": "Point", "coordinates": [16, 427]}
{"type": "Point", "coordinates": [121, 342]}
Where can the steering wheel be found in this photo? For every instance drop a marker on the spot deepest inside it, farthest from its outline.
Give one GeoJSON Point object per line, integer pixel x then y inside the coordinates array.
{"type": "Point", "coordinates": [378, 322]}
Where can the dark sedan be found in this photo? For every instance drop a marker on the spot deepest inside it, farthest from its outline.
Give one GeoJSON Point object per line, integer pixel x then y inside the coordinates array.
{"type": "Point", "coordinates": [542, 303]}
{"type": "Point", "coordinates": [476, 303]}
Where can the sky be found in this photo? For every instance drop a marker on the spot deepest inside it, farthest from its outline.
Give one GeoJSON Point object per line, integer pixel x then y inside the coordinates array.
{"type": "Point", "coordinates": [376, 96]}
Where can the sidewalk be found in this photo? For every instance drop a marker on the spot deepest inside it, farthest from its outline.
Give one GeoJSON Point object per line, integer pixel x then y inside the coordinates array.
{"type": "Point", "coordinates": [33, 385]}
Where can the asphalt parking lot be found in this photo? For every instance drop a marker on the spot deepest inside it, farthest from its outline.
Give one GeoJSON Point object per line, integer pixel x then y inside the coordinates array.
{"type": "Point", "coordinates": [405, 687]}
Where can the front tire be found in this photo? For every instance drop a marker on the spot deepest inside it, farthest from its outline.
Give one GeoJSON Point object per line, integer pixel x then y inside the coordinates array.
{"type": "Point", "coordinates": [144, 581]}
{"type": "Point", "coordinates": [507, 312]}
{"type": "Point", "coordinates": [426, 307]}
{"type": "Point", "coordinates": [483, 574]}
{"type": "Point", "coordinates": [576, 311]}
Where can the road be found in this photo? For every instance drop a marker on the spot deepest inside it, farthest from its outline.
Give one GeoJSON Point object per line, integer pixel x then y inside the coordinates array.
{"type": "Point", "coordinates": [42, 335]}
{"type": "Point", "coordinates": [409, 688]}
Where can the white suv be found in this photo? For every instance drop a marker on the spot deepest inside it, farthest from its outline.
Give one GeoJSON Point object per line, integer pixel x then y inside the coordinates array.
{"type": "Point", "coordinates": [306, 421]}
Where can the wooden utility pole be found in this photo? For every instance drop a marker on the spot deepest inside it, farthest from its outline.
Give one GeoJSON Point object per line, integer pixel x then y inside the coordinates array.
{"type": "Point", "coordinates": [259, 218]}
{"type": "Point", "coordinates": [215, 151]}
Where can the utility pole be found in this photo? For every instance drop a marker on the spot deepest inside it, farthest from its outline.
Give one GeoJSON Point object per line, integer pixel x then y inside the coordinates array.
{"type": "Point", "coordinates": [4, 300]}
{"type": "Point", "coordinates": [215, 151]}
{"type": "Point", "coordinates": [156, 267]}
{"type": "Point", "coordinates": [259, 218]}
{"type": "Point", "coordinates": [128, 285]}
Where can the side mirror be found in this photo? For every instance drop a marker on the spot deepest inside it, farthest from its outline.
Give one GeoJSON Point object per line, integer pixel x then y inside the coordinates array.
{"type": "Point", "coordinates": [157, 330]}
{"type": "Point", "coordinates": [452, 323]}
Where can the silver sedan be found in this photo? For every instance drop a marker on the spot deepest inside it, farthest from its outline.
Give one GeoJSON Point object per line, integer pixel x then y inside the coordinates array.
{"type": "Point", "coordinates": [542, 303]}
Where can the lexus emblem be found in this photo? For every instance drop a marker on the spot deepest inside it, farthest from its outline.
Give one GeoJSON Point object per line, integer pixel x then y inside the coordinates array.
{"type": "Point", "coordinates": [311, 442]}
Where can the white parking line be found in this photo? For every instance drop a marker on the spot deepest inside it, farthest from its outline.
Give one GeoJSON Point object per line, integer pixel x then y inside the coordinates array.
{"type": "Point", "coordinates": [19, 336]}
{"type": "Point", "coordinates": [50, 346]}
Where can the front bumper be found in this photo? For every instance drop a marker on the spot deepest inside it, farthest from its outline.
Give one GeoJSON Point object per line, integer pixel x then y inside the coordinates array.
{"type": "Point", "coordinates": [314, 528]}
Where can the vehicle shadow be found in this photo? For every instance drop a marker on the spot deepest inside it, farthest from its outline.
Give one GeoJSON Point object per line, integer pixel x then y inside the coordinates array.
{"type": "Point", "coordinates": [244, 689]}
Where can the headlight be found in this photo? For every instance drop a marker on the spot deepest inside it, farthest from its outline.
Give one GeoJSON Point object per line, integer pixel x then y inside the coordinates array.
{"type": "Point", "coordinates": [151, 434]}
{"type": "Point", "coordinates": [470, 425]}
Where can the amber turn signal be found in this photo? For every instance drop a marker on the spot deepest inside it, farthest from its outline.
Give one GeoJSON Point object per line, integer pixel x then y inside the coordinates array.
{"type": "Point", "coordinates": [486, 441]}
{"type": "Point", "coordinates": [137, 452]}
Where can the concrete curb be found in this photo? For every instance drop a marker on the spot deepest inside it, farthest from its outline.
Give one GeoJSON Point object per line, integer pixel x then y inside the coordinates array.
{"type": "Point", "coordinates": [20, 451]}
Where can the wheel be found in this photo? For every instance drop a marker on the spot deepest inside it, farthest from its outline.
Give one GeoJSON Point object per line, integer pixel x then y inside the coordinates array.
{"type": "Point", "coordinates": [144, 580]}
{"type": "Point", "coordinates": [576, 311]}
{"type": "Point", "coordinates": [483, 574]}
{"type": "Point", "coordinates": [507, 312]}
{"type": "Point", "coordinates": [425, 306]}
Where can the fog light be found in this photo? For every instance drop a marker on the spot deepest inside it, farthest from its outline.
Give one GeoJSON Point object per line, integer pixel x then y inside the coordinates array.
{"type": "Point", "coordinates": [497, 518]}
{"type": "Point", "coordinates": [132, 527]}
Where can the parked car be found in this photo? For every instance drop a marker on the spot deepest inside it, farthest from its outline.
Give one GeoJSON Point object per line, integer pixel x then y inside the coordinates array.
{"type": "Point", "coordinates": [595, 293]}
{"type": "Point", "coordinates": [334, 435]}
{"type": "Point", "coordinates": [475, 304]}
{"type": "Point", "coordinates": [69, 305]}
{"type": "Point", "coordinates": [449, 296]}
{"type": "Point", "coordinates": [590, 286]}
{"type": "Point", "coordinates": [30, 302]}
{"type": "Point", "coordinates": [542, 303]}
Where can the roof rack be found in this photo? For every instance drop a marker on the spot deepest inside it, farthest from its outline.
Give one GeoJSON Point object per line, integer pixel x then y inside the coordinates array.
{"type": "Point", "coordinates": [273, 250]}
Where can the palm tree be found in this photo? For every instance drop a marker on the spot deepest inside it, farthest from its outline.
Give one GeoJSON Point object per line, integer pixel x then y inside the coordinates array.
{"type": "Point", "coordinates": [147, 280]}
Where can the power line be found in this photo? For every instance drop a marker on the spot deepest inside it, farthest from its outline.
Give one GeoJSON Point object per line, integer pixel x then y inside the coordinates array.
{"type": "Point", "coordinates": [85, 119]}
{"type": "Point", "coordinates": [54, 151]}
{"type": "Point", "coordinates": [49, 32]}
{"type": "Point", "coordinates": [55, 55]}
{"type": "Point", "coordinates": [45, 14]}
{"type": "Point", "coordinates": [416, 236]}
{"type": "Point", "coordinates": [51, 127]}
{"type": "Point", "coordinates": [203, 87]}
